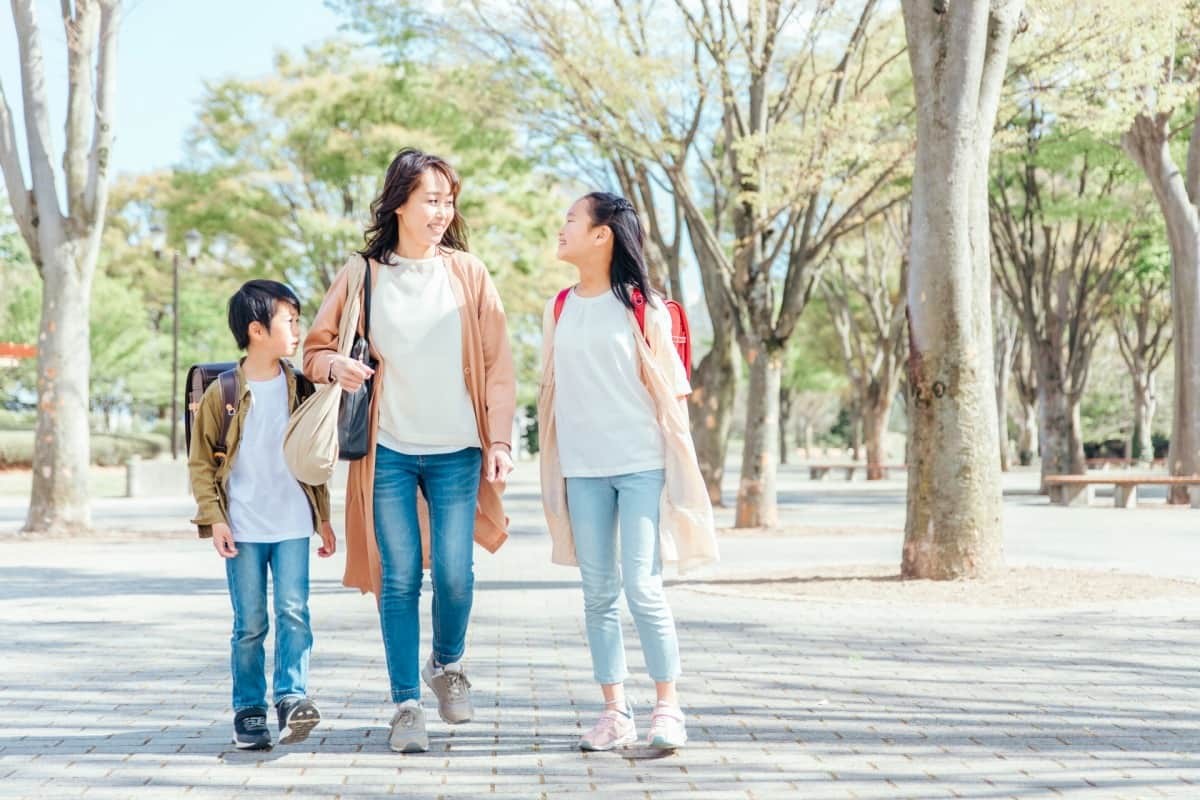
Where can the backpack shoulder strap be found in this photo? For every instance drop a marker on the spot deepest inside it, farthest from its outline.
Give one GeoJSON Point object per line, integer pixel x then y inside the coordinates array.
{"type": "Point", "coordinates": [560, 301]}
{"type": "Point", "coordinates": [639, 309]}
{"type": "Point", "coordinates": [229, 404]}
{"type": "Point", "coordinates": [304, 387]}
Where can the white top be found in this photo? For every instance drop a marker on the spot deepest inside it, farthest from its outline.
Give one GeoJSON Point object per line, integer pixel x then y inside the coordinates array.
{"type": "Point", "coordinates": [607, 423]}
{"type": "Point", "coordinates": [416, 327]}
{"type": "Point", "coordinates": [266, 503]}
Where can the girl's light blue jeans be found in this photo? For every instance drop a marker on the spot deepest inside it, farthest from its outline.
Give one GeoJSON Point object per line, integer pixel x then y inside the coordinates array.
{"type": "Point", "coordinates": [615, 522]}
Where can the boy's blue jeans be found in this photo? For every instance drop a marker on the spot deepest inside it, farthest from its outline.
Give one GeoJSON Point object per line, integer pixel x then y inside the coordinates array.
{"type": "Point", "coordinates": [615, 523]}
{"type": "Point", "coordinates": [450, 483]}
{"type": "Point", "coordinates": [247, 576]}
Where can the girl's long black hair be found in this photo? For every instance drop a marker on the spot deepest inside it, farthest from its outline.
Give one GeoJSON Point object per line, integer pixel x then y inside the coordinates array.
{"type": "Point", "coordinates": [403, 177]}
{"type": "Point", "coordinates": [628, 270]}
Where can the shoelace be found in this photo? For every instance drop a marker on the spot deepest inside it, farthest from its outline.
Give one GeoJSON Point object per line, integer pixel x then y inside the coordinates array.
{"type": "Point", "coordinates": [457, 684]}
{"type": "Point", "coordinates": [407, 718]}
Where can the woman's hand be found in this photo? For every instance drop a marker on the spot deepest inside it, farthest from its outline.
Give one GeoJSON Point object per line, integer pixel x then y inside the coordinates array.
{"type": "Point", "coordinates": [499, 463]}
{"type": "Point", "coordinates": [349, 373]}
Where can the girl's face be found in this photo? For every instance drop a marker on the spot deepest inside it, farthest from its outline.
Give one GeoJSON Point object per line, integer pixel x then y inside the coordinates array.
{"type": "Point", "coordinates": [428, 211]}
{"type": "Point", "coordinates": [578, 238]}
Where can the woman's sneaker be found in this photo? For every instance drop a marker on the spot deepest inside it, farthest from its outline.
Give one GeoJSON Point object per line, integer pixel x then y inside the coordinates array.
{"type": "Point", "coordinates": [408, 728]}
{"type": "Point", "coordinates": [613, 729]}
{"type": "Point", "coordinates": [250, 729]}
{"type": "Point", "coordinates": [297, 717]}
{"type": "Point", "coordinates": [453, 691]}
{"type": "Point", "coordinates": [666, 728]}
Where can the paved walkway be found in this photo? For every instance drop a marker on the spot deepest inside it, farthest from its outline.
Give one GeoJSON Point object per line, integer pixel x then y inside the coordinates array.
{"type": "Point", "coordinates": [113, 681]}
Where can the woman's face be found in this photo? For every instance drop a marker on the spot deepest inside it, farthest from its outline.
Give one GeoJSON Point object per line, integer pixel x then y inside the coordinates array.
{"type": "Point", "coordinates": [428, 211]}
{"type": "Point", "coordinates": [578, 236]}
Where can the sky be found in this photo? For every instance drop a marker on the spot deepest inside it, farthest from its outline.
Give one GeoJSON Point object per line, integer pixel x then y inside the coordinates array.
{"type": "Point", "coordinates": [167, 51]}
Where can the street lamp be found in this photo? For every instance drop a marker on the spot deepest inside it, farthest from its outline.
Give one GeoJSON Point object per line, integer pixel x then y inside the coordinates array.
{"type": "Point", "coordinates": [191, 243]}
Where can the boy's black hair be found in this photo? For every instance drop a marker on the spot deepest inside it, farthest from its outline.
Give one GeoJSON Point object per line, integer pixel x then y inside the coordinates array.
{"type": "Point", "coordinates": [255, 302]}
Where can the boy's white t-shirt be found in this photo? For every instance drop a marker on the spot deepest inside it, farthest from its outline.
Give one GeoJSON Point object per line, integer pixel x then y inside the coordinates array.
{"type": "Point", "coordinates": [416, 326]}
{"type": "Point", "coordinates": [606, 421]}
{"type": "Point", "coordinates": [266, 503]}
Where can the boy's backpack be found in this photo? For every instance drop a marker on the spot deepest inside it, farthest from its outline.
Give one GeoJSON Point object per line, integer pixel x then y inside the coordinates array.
{"type": "Point", "coordinates": [680, 333]}
{"type": "Point", "coordinates": [199, 376]}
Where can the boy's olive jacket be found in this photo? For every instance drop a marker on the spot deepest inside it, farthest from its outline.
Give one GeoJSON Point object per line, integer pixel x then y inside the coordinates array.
{"type": "Point", "coordinates": [209, 478]}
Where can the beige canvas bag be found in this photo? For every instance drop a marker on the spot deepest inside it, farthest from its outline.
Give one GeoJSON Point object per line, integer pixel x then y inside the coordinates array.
{"type": "Point", "coordinates": [310, 445]}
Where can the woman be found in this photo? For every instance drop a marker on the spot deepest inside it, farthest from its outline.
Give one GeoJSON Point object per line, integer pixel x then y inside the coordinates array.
{"type": "Point", "coordinates": [441, 420]}
{"type": "Point", "coordinates": [620, 483]}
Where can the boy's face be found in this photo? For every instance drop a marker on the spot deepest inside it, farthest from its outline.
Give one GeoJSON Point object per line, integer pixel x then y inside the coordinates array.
{"type": "Point", "coordinates": [283, 338]}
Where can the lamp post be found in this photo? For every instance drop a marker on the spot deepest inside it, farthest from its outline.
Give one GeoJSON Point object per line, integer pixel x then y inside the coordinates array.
{"type": "Point", "coordinates": [191, 242]}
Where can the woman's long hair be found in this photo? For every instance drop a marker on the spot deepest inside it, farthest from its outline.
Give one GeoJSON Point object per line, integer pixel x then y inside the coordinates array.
{"type": "Point", "coordinates": [628, 270]}
{"type": "Point", "coordinates": [403, 177]}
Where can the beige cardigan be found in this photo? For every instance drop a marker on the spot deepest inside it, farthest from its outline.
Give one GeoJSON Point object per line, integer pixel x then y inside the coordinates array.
{"type": "Point", "coordinates": [687, 535]}
{"type": "Point", "coordinates": [491, 383]}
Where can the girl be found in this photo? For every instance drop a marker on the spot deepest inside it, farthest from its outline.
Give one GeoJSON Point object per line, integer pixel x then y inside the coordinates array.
{"type": "Point", "coordinates": [619, 472]}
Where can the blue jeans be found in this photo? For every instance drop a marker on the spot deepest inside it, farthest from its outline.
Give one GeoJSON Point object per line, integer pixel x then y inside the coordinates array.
{"type": "Point", "coordinates": [450, 483]}
{"type": "Point", "coordinates": [247, 576]}
{"type": "Point", "coordinates": [624, 508]}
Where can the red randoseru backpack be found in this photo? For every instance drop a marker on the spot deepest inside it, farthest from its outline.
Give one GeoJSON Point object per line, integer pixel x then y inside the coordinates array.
{"type": "Point", "coordinates": [680, 334]}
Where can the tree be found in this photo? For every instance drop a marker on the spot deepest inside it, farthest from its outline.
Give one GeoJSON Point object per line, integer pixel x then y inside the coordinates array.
{"type": "Point", "coordinates": [773, 146]}
{"type": "Point", "coordinates": [1061, 236]}
{"type": "Point", "coordinates": [958, 52]}
{"type": "Point", "coordinates": [1148, 142]}
{"type": "Point", "coordinates": [61, 217]}
{"type": "Point", "coordinates": [866, 302]}
{"type": "Point", "coordinates": [1004, 331]}
{"type": "Point", "coordinates": [1141, 318]}
{"type": "Point", "coordinates": [284, 167]}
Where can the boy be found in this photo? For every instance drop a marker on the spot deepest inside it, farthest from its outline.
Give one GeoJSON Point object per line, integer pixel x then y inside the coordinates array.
{"type": "Point", "coordinates": [260, 517]}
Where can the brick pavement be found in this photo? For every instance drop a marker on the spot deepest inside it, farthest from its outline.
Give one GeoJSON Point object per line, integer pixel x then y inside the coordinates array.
{"type": "Point", "coordinates": [114, 684]}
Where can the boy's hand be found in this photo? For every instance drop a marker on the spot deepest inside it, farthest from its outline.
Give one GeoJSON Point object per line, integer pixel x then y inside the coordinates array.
{"type": "Point", "coordinates": [223, 540]}
{"type": "Point", "coordinates": [328, 540]}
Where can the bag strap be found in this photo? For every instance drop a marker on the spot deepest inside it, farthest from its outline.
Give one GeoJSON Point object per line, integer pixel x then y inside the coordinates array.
{"type": "Point", "coordinates": [559, 302]}
{"type": "Point", "coordinates": [639, 306]}
{"type": "Point", "coordinates": [229, 404]}
{"type": "Point", "coordinates": [366, 309]}
{"type": "Point", "coordinates": [639, 309]}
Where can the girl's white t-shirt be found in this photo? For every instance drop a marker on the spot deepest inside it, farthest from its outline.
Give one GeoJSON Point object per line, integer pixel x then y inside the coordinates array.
{"type": "Point", "coordinates": [266, 503]}
{"type": "Point", "coordinates": [425, 408]}
{"type": "Point", "coordinates": [606, 421]}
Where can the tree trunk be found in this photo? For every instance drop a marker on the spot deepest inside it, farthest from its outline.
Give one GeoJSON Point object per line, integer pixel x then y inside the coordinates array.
{"type": "Point", "coordinates": [756, 504]}
{"type": "Point", "coordinates": [1029, 439]}
{"type": "Point", "coordinates": [958, 56]}
{"type": "Point", "coordinates": [810, 440]}
{"type": "Point", "coordinates": [714, 384]}
{"type": "Point", "coordinates": [1141, 445]}
{"type": "Point", "coordinates": [1148, 143]}
{"type": "Point", "coordinates": [786, 396]}
{"type": "Point", "coordinates": [1058, 421]}
{"type": "Point", "coordinates": [58, 502]}
{"type": "Point", "coordinates": [856, 433]}
{"type": "Point", "coordinates": [875, 421]}
{"type": "Point", "coordinates": [1004, 335]}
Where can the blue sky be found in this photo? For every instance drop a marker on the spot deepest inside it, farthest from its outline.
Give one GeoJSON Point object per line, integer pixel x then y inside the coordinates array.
{"type": "Point", "coordinates": [168, 50]}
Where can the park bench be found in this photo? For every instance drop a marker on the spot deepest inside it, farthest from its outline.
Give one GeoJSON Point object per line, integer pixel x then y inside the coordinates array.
{"type": "Point", "coordinates": [1077, 490]}
{"type": "Point", "coordinates": [817, 472]}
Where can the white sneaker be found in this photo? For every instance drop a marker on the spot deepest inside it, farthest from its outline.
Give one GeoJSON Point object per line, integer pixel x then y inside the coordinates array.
{"type": "Point", "coordinates": [453, 691]}
{"type": "Point", "coordinates": [408, 728]}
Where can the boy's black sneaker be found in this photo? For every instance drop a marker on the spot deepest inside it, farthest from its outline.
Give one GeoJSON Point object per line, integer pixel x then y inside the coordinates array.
{"type": "Point", "coordinates": [297, 717]}
{"type": "Point", "coordinates": [250, 729]}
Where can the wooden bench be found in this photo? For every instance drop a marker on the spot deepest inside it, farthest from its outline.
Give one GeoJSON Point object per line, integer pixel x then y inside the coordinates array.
{"type": "Point", "coordinates": [1077, 490]}
{"type": "Point", "coordinates": [817, 472]}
